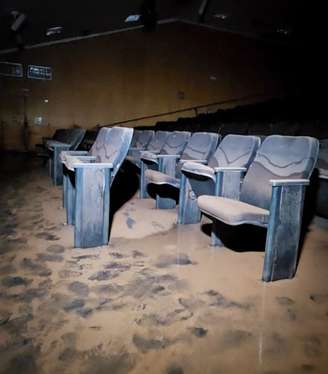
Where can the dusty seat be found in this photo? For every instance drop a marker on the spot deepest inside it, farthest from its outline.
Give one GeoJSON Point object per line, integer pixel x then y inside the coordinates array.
{"type": "Point", "coordinates": [322, 165]}
{"type": "Point", "coordinates": [199, 148]}
{"type": "Point", "coordinates": [235, 152]}
{"type": "Point", "coordinates": [69, 141]}
{"type": "Point", "coordinates": [154, 146]}
{"type": "Point", "coordinates": [272, 196]}
{"type": "Point", "coordinates": [233, 212]}
{"type": "Point", "coordinates": [141, 139]}
{"type": "Point", "coordinates": [173, 147]}
{"type": "Point", "coordinates": [87, 180]}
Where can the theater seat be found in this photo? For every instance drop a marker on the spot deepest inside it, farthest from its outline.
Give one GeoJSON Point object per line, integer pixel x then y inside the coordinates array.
{"type": "Point", "coordinates": [154, 146]}
{"type": "Point", "coordinates": [173, 147]}
{"type": "Point", "coordinates": [199, 148]}
{"type": "Point", "coordinates": [140, 139]}
{"type": "Point", "coordinates": [235, 152]}
{"type": "Point", "coordinates": [87, 181]}
{"type": "Point", "coordinates": [322, 193]}
{"type": "Point", "coordinates": [70, 140]}
{"type": "Point", "coordinates": [272, 195]}
{"type": "Point", "coordinates": [233, 212]}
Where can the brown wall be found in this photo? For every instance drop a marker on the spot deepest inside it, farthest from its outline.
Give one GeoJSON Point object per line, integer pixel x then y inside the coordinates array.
{"type": "Point", "coordinates": [133, 74]}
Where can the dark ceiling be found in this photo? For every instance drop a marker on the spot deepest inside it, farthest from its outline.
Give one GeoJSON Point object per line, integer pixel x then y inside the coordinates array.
{"type": "Point", "coordinates": [284, 20]}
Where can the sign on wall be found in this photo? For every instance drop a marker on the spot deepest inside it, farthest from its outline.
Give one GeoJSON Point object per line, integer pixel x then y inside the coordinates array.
{"type": "Point", "coordinates": [39, 72]}
{"type": "Point", "coordinates": [11, 69]}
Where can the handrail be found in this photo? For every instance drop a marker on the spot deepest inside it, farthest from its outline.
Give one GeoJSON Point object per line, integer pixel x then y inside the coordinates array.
{"type": "Point", "coordinates": [195, 108]}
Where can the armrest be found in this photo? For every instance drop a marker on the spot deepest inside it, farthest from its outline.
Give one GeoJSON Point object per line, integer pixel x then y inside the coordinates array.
{"type": "Point", "coordinates": [198, 161]}
{"type": "Point", "coordinates": [75, 153]}
{"type": "Point", "coordinates": [289, 182]}
{"type": "Point", "coordinates": [136, 148]}
{"type": "Point", "coordinates": [65, 154]}
{"type": "Point", "coordinates": [168, 156]}
{"type": "Point", "coordinates": [87, 158]}
{"type": "Point", "coordinates": [51, 144]}
{"type": "Point", "coordinates": [323, 173]}
{"type": "Point", "coordinates": [92, 165]}
{"type": "Point", "coordinates": [229, 168]}
{"type": "Point", "coordinates": [148, 157]}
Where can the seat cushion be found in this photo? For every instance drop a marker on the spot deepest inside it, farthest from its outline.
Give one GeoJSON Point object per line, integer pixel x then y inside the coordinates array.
{"type": "Point", "coordinates": [198, 169]}
{"type": "Point", "coordinates": [149, 156]}
{"type": "Point", "coordinates": [232, 212]}
{"type": "Point", "coordinates": [156, 177]}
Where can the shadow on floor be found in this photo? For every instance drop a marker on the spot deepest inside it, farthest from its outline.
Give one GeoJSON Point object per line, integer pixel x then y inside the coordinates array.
{"type": "Point", "coordinates": [243, 238]}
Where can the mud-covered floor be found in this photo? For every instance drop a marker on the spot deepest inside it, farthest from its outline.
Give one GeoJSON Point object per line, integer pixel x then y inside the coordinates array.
{"type": "Point", "coordinates": [158, 299]}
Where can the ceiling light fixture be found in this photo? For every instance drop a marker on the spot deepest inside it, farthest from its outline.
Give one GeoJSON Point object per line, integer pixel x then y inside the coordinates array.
{"type": "Point", "coordinates": [132, 18]}
{"type": "Point", "coordinates": [283, 31]}
{"type": "Point", "coordinates": [54, 30]}
{"type": "Point", "coordinates": [221, 16]}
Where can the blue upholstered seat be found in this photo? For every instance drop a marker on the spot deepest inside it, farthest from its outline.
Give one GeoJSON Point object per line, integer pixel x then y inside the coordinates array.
{"type": "Point", "coordinates": [141, 139]}
{"type": "Point", "coordinates": [271, 196]}
{"type": "Point", "coordinates": [235, 152]}
{"type": "Point", "coordinates": [173, 147]}
{"type": "Point", "coordinates": [322, 193]}
{"type": "Point", "coordinates": [68, 139]}
{"type": "Point", "coordinates": [155, 145]}
{"type": "Point", "coordinates": [87, 182]}
{"type": "Point", "coordinates": [199, 148]}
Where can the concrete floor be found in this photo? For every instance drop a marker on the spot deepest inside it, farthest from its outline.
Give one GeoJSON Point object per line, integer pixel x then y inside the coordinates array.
{"type": "Point", "coordinates": [158, 299]}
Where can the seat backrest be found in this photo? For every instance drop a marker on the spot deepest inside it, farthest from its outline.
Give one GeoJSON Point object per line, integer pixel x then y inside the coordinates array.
{"type": "Point", "coordinates": [59, 135]}
{"type": "Point", "coordinates": [144, 137]}
{"type": "Point", "coordinates": [157, 142]}
{"type": "Point", "coordinates": [279, 157]}
{"type": "Point", "coordinates": [135, 137]}
{"type": "Point", "coordinates": [175, 143]}
{"type": "Point", "coordinates": [200, 146]}
{"type": "Point", "coordinates": [76, 136]}
{"type": "Point", "coordinates": [88, 140]}
{"type": "Point", "coordinates": [112, 145]}
{"type": "Point", "coordinates": [323, 155]}
{"type": "Point", "coordinates": [72, 137]}
{"type": "Point", "coordinates": [235, 150]}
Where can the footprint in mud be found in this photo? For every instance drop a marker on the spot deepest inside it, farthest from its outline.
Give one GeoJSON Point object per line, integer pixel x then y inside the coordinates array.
{"type": "Point", "coordinates": [46, 236]}
{"type": "Point", "coordinates": [235, 338]}
{"type": "Point", "coordinates": [13, 281]}
{"type": "Point", "coordinates": [319, 298]}
{"type": "Point", "coordinates": [104, 275]}
{"type": "Point", "coordinates": [56, 248]}
{"type": "Point", "coordinates": [165, 261]}
{"type": "Point", "coordinates": [46, 257]}
{"type": "Point", "coordinates": [115, 363]}
{"type": "Point", "coordinates": [199, 332]}
{"type": "Point", "coordinates": [312, 347]}
{"type": "Point", "coordinates": [79, 288]}
{"type": "Point", "coordinates": [130, 222]}
{"type": "Point", "coordinates": [36, 267]}
{"type": "Point", "coordinates": [147, 344]}
{"type": "Point", "coordinates": [283, 300]}
{"type": "Point", "coordinates": [73, 304]}
{"type": "Point", "coordinates": [174, 369]}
